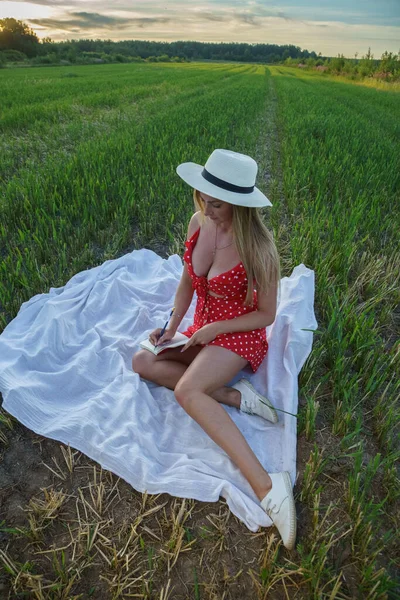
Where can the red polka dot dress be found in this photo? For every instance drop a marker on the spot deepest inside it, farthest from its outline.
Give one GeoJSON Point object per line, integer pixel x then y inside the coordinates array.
{"type": "Point", "coordinates": [232, 284]}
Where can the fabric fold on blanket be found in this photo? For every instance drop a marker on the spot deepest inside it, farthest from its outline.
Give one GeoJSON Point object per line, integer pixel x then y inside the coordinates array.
{"type": "Point", "coordinates": [66, 374]}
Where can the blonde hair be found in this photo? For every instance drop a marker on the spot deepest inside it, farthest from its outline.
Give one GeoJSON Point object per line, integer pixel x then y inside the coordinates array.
{"type": "Point", "coordinates": [255, 245]}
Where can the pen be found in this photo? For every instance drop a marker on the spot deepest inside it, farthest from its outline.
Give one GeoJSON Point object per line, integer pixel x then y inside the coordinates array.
{"type": "Point", "coordinates": [165, 326]}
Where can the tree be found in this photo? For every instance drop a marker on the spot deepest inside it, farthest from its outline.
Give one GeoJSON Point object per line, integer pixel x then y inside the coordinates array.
{"type": "Point", "coordinates": [16, 35]}
{"type": "Point", "coordinates": [389, 63]}
{"type": "Point", "coordinates": [337, 63]}
{"type": "Point", "coordinates": [366, 65]}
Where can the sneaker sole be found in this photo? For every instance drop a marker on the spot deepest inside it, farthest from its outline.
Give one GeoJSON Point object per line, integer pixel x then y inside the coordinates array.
{"type": "Point", "coordinates": [292, 511]}
{"type": "Point", "coordinates": [267, 402]}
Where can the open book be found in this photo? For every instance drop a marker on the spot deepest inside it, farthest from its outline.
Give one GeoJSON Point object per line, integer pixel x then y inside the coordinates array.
{"type": "Point", "coordinates": [178, 340]}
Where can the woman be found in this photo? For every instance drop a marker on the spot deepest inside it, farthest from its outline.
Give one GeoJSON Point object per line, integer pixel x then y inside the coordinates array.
{"type": "Point", "coordinates": [229, 251]}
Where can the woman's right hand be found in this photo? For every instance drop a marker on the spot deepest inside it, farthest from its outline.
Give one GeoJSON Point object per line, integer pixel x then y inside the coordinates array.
{"type": "Point", "coordinates": [154, 336]}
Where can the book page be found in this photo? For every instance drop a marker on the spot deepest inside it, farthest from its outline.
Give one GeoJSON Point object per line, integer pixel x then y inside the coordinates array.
{"type": "Point", "coordinates": [178, 340]}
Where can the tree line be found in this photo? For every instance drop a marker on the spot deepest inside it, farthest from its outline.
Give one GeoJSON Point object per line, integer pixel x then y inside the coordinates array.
{"type": "Point", "coordinates": [18, 37]}
{"type": "Point", "coordinates": [386, 69]}
{"type": "Point", "coordinates": [20, 44]}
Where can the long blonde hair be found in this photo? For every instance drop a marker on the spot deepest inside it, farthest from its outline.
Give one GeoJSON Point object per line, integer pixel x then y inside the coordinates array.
{"type": "Point", "coordinates": [255, 245]}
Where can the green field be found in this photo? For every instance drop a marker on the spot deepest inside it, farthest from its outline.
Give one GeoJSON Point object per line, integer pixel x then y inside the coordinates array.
{"type": "Point", "coordinates": [87, 173]}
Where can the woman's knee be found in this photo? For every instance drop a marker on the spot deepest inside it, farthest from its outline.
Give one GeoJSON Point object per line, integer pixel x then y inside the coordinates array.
{"type": "Point", "coordinates": [181, 391]}
{"type": "Point", "coordinates": [142, 361]}
{"type": "Point", "coordinates": [185, 388]}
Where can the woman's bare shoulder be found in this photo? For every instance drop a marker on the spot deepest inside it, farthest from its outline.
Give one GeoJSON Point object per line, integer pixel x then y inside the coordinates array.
{"type": "Point", "coordinates": [194, 224]}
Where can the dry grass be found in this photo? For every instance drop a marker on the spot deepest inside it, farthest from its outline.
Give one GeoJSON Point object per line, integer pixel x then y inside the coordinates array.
{"type": "Point", "coordinates": [102, 539]}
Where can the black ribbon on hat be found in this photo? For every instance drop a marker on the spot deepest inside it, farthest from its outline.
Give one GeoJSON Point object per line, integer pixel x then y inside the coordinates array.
{"type": "Point", "coordinates": [225, 185]}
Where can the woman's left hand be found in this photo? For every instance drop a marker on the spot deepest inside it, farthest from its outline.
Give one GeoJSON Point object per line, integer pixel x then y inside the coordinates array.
{"type": "Point", "coordinates": [203, 335]}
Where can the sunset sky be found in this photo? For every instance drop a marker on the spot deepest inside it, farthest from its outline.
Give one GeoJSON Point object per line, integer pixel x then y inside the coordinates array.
{"type": "Point", "coordinates": [328, 27]}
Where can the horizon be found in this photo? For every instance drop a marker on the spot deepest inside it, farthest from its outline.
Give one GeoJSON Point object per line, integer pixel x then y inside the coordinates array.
{"type": "Point", "coordinates": [312, 25]}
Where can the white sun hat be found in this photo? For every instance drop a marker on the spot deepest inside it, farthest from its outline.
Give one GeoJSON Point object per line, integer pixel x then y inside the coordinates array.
{"type": "Point", "coordinates": [228, 176]}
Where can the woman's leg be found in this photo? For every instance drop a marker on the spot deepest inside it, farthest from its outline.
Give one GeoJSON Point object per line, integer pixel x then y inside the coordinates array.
{"type": "Point", "coordinates": [210, 369]}
{"type": "Point", "coordinates": [168, 367]}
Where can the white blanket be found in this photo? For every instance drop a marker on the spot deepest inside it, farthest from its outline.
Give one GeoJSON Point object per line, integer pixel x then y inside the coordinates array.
{"type": "Point", "coordinates": [66, 373]}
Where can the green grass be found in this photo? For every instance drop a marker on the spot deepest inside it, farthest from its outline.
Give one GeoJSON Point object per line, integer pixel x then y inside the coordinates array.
{"type": "Point", "coordinates": [65, 200]}
{"type": "Point", "coordinates": [88, 173]}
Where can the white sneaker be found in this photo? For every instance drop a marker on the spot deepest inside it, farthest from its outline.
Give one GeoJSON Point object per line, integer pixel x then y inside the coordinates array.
{"type": "Point", "coordinates": [279, 506]}
{"type": "Point", "coordinates": [254, 403]}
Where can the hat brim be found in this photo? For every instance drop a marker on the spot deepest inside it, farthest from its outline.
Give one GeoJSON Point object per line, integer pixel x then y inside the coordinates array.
{"type": "Point", "coordinates": [191, 174]}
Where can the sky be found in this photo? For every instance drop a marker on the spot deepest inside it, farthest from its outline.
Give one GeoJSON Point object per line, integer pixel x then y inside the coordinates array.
{"type": "Point", "coordinates": [348, 27]}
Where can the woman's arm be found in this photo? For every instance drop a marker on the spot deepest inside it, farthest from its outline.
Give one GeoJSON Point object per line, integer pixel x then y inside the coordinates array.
{"type": "Point", "coordinates": [183, 299]}
{"type": "Point", "coordinates": [253, 320]}
{"type": "Point", "coordinates": [185, 291]}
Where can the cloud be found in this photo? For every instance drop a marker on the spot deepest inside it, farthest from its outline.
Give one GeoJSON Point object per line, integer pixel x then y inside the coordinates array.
{"type": "Point", "coordinates": [307, 25]}
{"type": "Point", "coordinates": [357, 12]}
{"type": "Point", "coordinates": [85, 20]}
{"type": "Point", "coordinates": [93, 19]}
{"type": "Point", "coordinates": [247, 18]}
{"type": "Point", "coordinates": [211, 17]}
